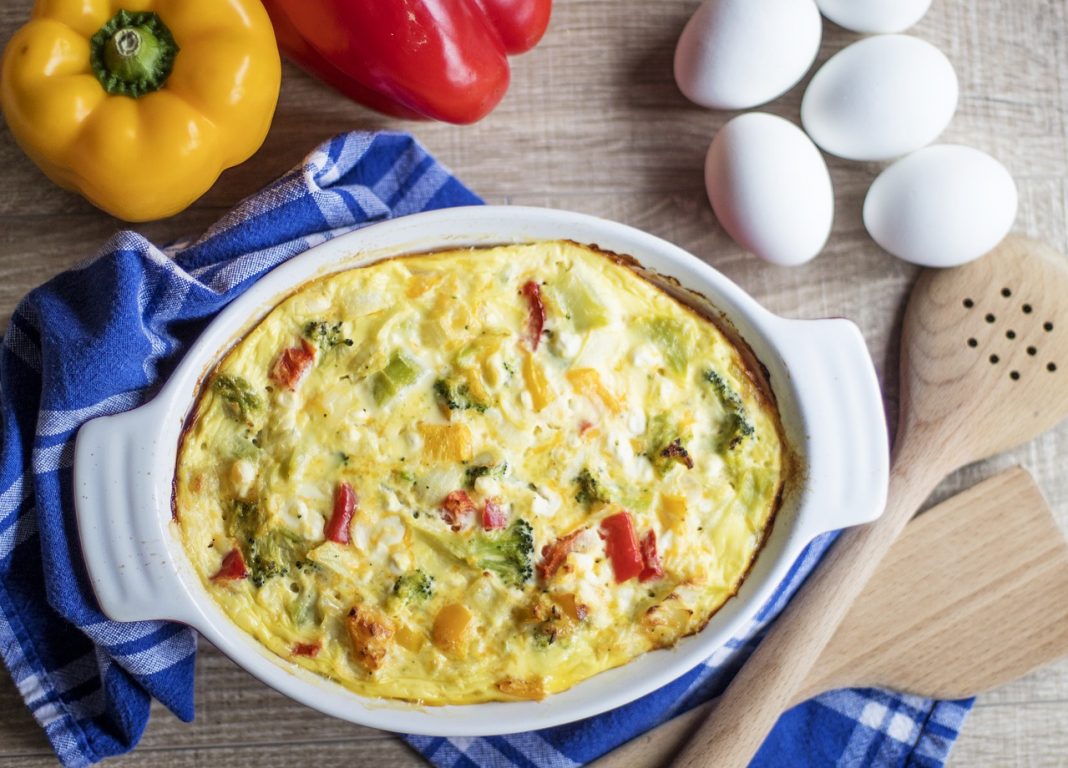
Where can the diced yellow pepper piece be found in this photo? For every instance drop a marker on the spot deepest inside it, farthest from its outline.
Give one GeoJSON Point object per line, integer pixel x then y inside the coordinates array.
{"type": "Point", "coordinates": [672, 511]}
{"type": "Point", "coordinates": [409, 638]}
{"type": "Point", "coordinates": [476, 387]}
{"type": "Point", "coordinates": [533, 689]}
{"type": "Point", "coordinates": [588, 382]}
{"type": "Point", "coordinates": [538, 386]}
{"type": "Point", "coordinates": [420, 284]}
{"type": "Point", "coordinates": [450, 627]}
{"type": "Point", "coordinates": [446, 442]}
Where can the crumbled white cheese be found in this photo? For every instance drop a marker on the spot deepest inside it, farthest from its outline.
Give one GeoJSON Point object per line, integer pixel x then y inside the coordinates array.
{"type": "Point", "coordinates": [566, 344]}
{"type": "Point", "coordinates": [242, 475]}
{"type": "Point", "coordinates": [488, 486]}
{"type": "Point", "coordinates": [545, 502]}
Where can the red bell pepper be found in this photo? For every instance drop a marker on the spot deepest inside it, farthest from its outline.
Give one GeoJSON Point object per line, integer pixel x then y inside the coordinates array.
{"type": "Point", "coordinates": [554, 555]}
{"type": "Point", "coordinates": [337, 528]}
{"type": "Point", "coordinates": [292, 364]}
{"type": "Point", "coordinates": [493, 517]}
{"type": "Point", "coordinates": [457, 508]}
{"type": "Point", "coordinates": [653, 568]}
{"type": "Point", "coordinates": [307, 649]}
{"type": "Point", "coordinates": [536, 318]}
{"type": "Point", "coordinates": [439, 59]}
{"type": "Point", "coordinates": [621, 544]}
{"type": "Point", "coordinates": [232, 568]}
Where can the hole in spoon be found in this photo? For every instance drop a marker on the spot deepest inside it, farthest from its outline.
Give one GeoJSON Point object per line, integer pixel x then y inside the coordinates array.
{"type": "Point", "coordinates": [1014, 375]}
{"type": "Point", "coordinates": [968, 303]}
{"type": "Point", "coordinates": [1032, 351]}
{"type": "Point", "coordinates": [1051, 367]}
{"type": "Point", "coordinates": [990, 318]}
{"type": "Point", "coordinates": [1010, 334]}
{"type": "Point", "coordinates": [994, 359]}
{"type": "Point", "coordinates": [1027, 309]}
{"type": "Point", "coordinates": [1006, 292]}
{"type": "Point", "coordinates": [973, 343]}
{"type": "Point", "coordinates": [1048, 326]}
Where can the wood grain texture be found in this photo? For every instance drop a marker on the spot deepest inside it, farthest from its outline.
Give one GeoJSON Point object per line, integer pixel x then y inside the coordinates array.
{"type": "Point", "coordinates": [965, 600]}
{"type": "Point", "coordinates": [593, 123]}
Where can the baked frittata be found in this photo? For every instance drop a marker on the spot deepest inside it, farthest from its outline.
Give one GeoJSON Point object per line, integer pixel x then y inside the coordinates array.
{"type": "Point", "coordinates": [482, 474]}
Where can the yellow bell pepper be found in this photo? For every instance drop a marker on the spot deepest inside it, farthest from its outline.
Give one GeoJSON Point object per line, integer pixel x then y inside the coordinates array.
{"type": "Point", "coordinates": [140, 105]}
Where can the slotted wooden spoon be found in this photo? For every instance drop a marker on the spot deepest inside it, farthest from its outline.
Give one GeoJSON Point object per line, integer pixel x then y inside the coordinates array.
{"type": "Point", "coordinates": [984, 368]}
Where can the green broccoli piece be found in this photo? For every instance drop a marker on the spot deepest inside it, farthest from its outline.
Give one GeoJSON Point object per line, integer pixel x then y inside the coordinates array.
{"type": "Point", "coordinates": [238, 397]}
{"type": "Point", "coordinates": [664, 445]}
{"type": "Point", "coordinates": [508, 553]}
{"type": "Point", "coordinates": [589, 490]}
{"type": "Point", "coordinates": [545, 634]}
{"type": "Point", "coordinates": [243, 520]}
{"type": "Point", "coordinates": [737, 426]}
{"type": "Point", "coordinates": [414, 587]}
{"type": "Point", "coordinates": [270, 556]}
{"type": "Point", "coordinates": [325, 335]}
{"type": "Point", "coordinates": [484, 470]}
{"type": "Point", "coordinates": [456, 396]}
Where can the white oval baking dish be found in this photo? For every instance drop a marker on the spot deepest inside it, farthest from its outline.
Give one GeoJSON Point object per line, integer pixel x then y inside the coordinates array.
{"type": "Point", "coordinates": [820, 371]}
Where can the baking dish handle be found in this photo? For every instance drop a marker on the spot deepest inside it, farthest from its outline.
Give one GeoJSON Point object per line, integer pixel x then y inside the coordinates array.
{"type": "Point", "coordinates": [123, 513]}
{"type": "Point", "coordinates": [847, 461]}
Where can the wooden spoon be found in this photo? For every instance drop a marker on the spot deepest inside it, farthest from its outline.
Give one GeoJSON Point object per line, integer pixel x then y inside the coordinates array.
{"type": "Point", "coordinates": [984, 361]}
{"type": "Point", "coordinates": [968, 599]}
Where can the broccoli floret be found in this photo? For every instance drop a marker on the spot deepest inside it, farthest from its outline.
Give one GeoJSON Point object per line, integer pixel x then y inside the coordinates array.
{"type": "Point", "coordinates": [737, 425]}
{"type": "Point", "coordinates": [664, 445]}
{"type": "Point", "coordinates": [271, 555]}
{"type": "Point", "coordinates": [238, 398]}
{"type": "Point", "coordinates": [413, 587]}
{"type": "Point", "coordinates": [545, 634]}
{"type": "Point", "coordinates": [485, 470]}
{"type": "Point", "coordinates": [243, 520]}
{"type": "Point", "coordinates": [456, 396]}
{"type": "Point", "coordinates": [325, 335]}
{"type": "Point", "coordinates": [589, 490]}
{"type": "Point", "coordinates": [508, 553]}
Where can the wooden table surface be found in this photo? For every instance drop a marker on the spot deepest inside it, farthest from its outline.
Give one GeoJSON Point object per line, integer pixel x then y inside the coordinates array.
{"type": "Point", "coordinates": [594, 123]}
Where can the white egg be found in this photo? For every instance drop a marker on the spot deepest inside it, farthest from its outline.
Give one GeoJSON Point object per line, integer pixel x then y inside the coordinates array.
{"type": "Point", "coordinates": [736, 54]}
{"type": "Point", "coordinates": [874, 16]}
{"type": "Point", "coordinates": [942, 206]}
{"type": "Point", "coordinates": [770, 188]}
{"type": "Point", "coordinates": [880, 98]}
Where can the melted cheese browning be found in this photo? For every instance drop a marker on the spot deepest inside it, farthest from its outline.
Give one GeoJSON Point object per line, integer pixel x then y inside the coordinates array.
{"type": "Point", "coordinates": [475, 565]}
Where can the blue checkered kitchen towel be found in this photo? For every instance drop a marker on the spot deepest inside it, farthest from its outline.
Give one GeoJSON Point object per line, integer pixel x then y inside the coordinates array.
{"type": "Point", "coordinates": [99, 339]}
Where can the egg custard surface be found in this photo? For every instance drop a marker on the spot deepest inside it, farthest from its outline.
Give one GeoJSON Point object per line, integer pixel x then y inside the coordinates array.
{"type": "Point", "coordinates": [481, 474]}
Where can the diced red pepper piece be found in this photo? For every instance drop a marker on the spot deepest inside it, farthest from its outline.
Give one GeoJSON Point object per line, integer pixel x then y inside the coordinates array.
{"type": "Point", "coordinates": [457, 508]}
{"type": "Point", "coordinates": [621, 544]}
{"type": "Point", "coordinates": [493, 518]}
{"type": "Point", "coordinates": [554, 555]}
{"type": "Point", "coordinates": [653, 569]}
{"type": "Point", "coordinates": [232, 568]}
{"type": "Point", "coordinates": [306, 649]}
{"type": "Point", "coordinates": [292, 364]}
{"type": "Point", "coordinates": [337, 528]}
{"type": "Point", "coordinates": [536, 323]}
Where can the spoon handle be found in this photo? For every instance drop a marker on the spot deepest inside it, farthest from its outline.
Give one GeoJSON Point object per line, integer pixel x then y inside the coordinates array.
{"type": "Point", "coordinates": [762, 690]}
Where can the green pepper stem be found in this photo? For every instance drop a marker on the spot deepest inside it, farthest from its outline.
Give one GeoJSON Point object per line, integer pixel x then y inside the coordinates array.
{"type": "Point", "coordinates": [132, 54]}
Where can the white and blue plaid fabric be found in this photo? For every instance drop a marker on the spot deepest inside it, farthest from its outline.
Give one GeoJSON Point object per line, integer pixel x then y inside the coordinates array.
{"type": "Point", "coordinates": [100, 338]}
